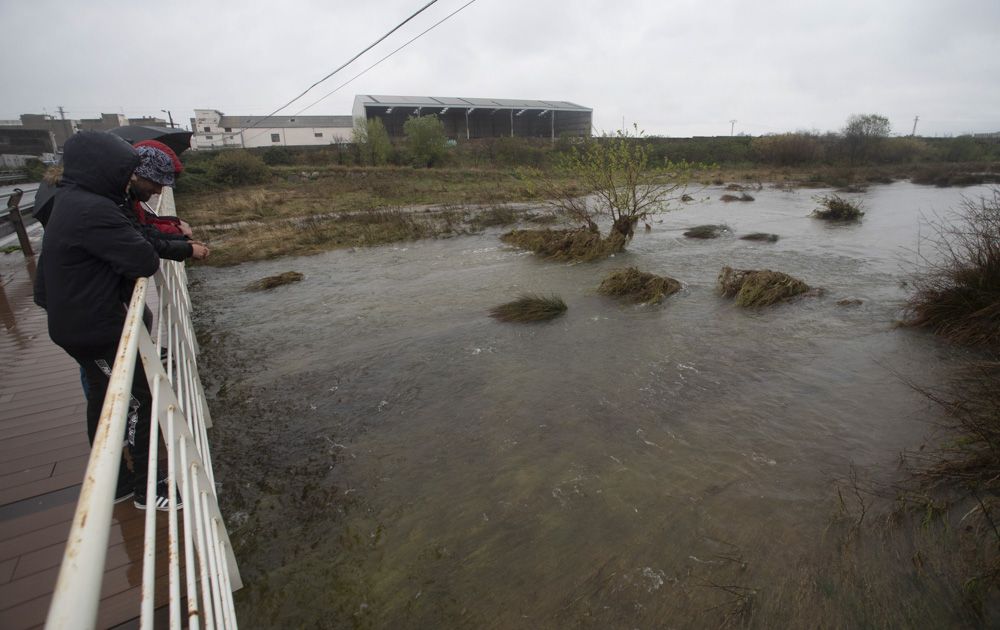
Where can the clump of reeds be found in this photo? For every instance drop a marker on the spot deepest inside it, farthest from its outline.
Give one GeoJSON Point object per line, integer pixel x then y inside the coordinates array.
{"type": "Point", "coordinates": [529, 308]}
{"type": "Point", "coordinates": [742, 197]}
{"type": "Point", "coordinates": [836, 208]}
{"type": "Point", "coordinates": [760, 236]}
{"type": "Point", "coordinates": [686, 198]}
{"type": "Point", "coordinates": [706, 231]}
{"type": "Point", "coordinates": [958, 294]}
{"type": "Point", "coordinates": [638, 286]}
{"type": "Point", "coordinates": [577, 244]}
{"type": "Point", "coordinates": [271, 282]}
{"type": "Point", "coordinates": [762, 287]}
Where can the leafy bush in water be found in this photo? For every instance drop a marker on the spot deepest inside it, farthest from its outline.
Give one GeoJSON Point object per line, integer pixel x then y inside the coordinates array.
{"type": "Point", "coordinates": [762, 287]}
{"type": "Point", "coordinates": [239, 168]}
{"type": "Point", "coordinates": [638, 286]}
{"type": "Point", "coordinates": [836, 208]}
{"type": "Point", "coordinates": [529, 308]}
{"type": "Point", "coordinates": [958, 295]}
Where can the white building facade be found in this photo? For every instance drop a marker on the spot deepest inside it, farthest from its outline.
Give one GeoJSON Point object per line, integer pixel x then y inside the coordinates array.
{"type": "Point", "coordinates": [214, 130]}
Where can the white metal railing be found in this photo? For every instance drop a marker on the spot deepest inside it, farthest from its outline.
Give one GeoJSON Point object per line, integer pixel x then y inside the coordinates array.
{"type": "Point", "coordinates": [180, 413]}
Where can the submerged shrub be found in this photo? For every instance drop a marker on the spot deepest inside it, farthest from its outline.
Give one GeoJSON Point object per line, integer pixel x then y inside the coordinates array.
{"type": "Point", "coordinates": [638, 286]}
{"type": "Point", "coordinates": [706, 231]}
{"type": "Point", "coordinates": [836, 208]}
{"type": "Point", "coordinates": [958, 294]}
{"type": "Point", "coordinates": [578, 245]}
{"type": "Point", "coordinates": [271, 282]}
{"type": "Point", "coordinates": [529, 308]}
{"type": "Point", "coordinates": [761, 236]}
{"type": "Point", "coordinates": [759, 287]}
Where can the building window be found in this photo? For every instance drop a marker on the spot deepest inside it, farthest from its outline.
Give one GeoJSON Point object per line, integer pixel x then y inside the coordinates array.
{"type": "Point", "coordinates": [275, 137]}
{"type": "Point", "coordinates": [208, 137]}
{"type": "Point", "coordinates": [318, 134]}
{"type": "Point", "coordinates": [228, 129]}
{"type": "Point", "coordinates": [208, 129]}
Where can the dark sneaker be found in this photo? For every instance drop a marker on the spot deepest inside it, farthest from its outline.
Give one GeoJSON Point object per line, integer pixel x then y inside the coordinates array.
{"type": "Point", "coordinates": [161, 502]}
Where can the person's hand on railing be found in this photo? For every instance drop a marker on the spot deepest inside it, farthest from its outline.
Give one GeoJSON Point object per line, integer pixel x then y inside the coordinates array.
{"type": "Point", "coordinates": [186, 229]}
{"type": "Point", "coordinates": [199, 251]}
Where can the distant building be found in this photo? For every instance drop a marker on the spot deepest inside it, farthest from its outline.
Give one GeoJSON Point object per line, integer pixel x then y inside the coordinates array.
{"type": "Point", "coordinates": [212, 130]}
{"type": "Point", "coordinates": [106, 122]}
{"type": "Point", "coordinates": [61, 129]}
{"type": "Point", "coordinates": [478, 117]}
{"type": "Point", "coordinates": [16, 140]}
{"type": "Point", "coordinates": [148, 121]}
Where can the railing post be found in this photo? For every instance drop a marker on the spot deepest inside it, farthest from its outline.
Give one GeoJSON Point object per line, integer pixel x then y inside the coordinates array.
{"type": "Point", "coordinates": [15, 218]}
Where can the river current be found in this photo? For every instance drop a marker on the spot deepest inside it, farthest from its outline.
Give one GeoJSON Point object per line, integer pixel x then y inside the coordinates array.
{"type": "Point", "coordinates": [390, 456]}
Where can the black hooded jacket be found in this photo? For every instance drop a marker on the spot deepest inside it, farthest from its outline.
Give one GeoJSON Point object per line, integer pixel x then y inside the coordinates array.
{"type": "Point", "coordinates": [92, 250]}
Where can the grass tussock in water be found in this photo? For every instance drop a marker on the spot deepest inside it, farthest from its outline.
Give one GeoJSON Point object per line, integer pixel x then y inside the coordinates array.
{"type": "Point", "coordinates": [958, 295]}
{"type": "Point", "coordinates": [271, 282]}
{"type": "Point", "coordinates": [638, 286]}
{"type": "Point", "coordinates": [529, 308]}
{"type": "Point", "coordinates": [761, 236]}
{"type": "Point", "coordinates": [836, 208]}
{"type": "Point", "coordinates": [742, 197]}
{"type": "Point", "coordinates": [706, 231]}
{"type": "Point", "coordinates": [763, 287]}
{"type": "Point", "coordinates": [576, 245]}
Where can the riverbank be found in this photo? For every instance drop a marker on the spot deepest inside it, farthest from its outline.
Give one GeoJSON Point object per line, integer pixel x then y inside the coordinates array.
{"type": "Point", "coordinates": [301, 212]}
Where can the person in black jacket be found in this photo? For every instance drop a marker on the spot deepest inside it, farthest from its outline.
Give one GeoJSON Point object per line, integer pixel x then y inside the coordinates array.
{"type": "Point", "coordinates": [92, 253]}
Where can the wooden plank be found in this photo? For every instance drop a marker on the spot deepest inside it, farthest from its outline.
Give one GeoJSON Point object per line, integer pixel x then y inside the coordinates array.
{"type": "Point", "coordinates": [7, 568]}
{"type": "Point", "coordinates": [21, 525]}
{"type": "Point", "coordinates": [46, 457]}
{"type": "Point", "coordinates": [22, 477]}
{"type": "Point", "coordinates": [42, 486]}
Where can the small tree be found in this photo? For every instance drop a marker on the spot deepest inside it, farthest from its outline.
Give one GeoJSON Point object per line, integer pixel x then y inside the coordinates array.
{"type": "Point", "coordinates": [372, 140]}
{"type": "Point", "coordinates": [863, 135]}
{"type": "Point", "coordinates": [617, 173]}
{"type": "Point", "coordinates": [426, 143]}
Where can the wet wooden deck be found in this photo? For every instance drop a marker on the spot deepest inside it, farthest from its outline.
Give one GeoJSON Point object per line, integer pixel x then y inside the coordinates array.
{"type": "Point", "coordinates": [43, 455]}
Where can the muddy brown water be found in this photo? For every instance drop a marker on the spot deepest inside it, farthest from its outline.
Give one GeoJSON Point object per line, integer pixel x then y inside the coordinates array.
{"type": "Point", "coordinates": [389, 456]}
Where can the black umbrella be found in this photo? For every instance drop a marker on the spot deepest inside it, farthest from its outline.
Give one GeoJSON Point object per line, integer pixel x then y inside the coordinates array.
{"type": "Point", "coordinates": [177, 139]}
{"type": "Point", "coordinates": [45, 198]}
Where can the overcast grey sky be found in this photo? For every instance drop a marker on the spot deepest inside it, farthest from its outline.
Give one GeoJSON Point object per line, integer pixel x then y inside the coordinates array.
{"type": "Point", "coordinates": [675, 67]}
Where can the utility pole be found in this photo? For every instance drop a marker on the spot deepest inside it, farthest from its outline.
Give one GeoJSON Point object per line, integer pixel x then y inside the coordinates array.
{"type": "Point", "coordinates": [914, 132]}
{"type": "Point", "coordinates": [732, 126]}
{"type": "Point", "coordinates": [167, 112]}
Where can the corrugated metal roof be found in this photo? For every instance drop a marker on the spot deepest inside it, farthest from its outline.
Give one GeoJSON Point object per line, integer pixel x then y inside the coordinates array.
{"type": "Point", "coordinates": [285, 122]}
{"type": "Point", "coordinates": [452, 101]}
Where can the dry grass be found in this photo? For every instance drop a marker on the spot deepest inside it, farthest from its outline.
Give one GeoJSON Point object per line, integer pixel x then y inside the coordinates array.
{"type": "Point", "coordinates": [706, 231]}
{"type": "Point", "coordinates": [638, 286]}
{"type": "Point", "coordinates": [529, 308]}
{"type": "Point", "coordinates": [836, 208]}
{"type": "Point", "coordinates": [958, 294]}
{"type": "Point", "coordinates": [574, 244]}
{"type": "Point", "coordinates": [271, 282]}
{"type": "Point", "coordinates": [753, 288]}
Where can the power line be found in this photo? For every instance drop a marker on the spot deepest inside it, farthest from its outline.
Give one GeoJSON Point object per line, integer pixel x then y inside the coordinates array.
{"type": "Point", "coordinates": [347, 63]}
{"type": "Point", "coordinates": [344, 84]}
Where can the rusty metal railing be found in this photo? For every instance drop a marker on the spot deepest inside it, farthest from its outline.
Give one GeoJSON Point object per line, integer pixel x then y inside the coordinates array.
{"type": "Point", "coordinates": [196, 534]}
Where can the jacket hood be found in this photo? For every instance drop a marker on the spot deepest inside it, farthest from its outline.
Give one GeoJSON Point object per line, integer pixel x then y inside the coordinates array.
{"type": "Point", "coordinates": [99, 162]}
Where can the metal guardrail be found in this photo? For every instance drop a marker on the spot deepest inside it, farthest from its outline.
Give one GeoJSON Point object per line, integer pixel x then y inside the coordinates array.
{"type": "Point", "coordinates": [180, 412]}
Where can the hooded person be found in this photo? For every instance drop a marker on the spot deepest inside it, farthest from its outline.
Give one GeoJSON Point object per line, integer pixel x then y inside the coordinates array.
{"type": "Point", "coordinates": [92, 254]}
{"type": "Point", "coordinates": [156, 169]}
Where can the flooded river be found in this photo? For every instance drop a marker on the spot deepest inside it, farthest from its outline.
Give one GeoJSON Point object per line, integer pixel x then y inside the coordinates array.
{"type": "Point", "coordinates": [389, 456]}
